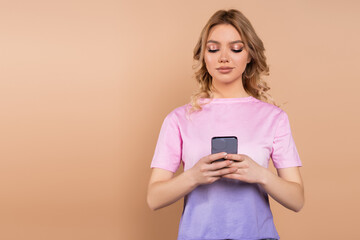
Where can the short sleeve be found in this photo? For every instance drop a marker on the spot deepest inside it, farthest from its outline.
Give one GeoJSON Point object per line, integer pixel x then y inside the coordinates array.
{"type": "Point", "coordinates": [284, 153]}
{"type": "Point", "coordinates": [168, 151]}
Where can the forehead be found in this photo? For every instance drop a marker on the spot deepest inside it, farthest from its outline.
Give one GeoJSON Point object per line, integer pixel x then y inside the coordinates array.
{"type": "Point", "coordinates": [224, 33]}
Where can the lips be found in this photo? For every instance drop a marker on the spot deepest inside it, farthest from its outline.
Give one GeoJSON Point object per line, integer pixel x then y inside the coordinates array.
{"type": "Point", "coordinates": [224, 69]}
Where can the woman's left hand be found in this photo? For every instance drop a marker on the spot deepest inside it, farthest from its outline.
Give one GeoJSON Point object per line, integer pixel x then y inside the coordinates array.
{"type": "Point", "coordinates": [247, 169]}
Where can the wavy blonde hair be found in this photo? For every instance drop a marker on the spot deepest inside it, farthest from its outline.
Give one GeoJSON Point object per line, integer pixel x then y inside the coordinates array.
{"type": "Point", "coordinates": [251, 78]}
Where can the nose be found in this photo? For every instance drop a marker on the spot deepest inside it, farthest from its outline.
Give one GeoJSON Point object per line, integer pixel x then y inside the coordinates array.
{"type": "Point", "coordinates": [223, 57]}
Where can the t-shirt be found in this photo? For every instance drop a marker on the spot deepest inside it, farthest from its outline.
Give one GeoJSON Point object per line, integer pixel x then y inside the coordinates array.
{"type": "Point", "coordinates": [226, 208]}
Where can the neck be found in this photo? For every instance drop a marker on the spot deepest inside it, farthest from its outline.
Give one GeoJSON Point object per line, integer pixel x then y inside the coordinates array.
{"type": "Point", "coordinates": [233, 90]}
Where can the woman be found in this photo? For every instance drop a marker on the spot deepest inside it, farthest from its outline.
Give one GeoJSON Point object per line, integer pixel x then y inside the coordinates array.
{"type": "Point", "coordinates": [227, 199]}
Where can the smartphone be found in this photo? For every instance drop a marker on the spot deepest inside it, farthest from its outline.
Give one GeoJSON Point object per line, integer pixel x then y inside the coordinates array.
{"type": "Point", "coordinates": [228, 144]}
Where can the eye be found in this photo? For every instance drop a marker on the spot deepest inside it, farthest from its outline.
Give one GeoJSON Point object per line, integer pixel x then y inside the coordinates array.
{"type": "Point", "coordinates": [234, 50]}
{"type": "Point", "coordinates": [237, 50]}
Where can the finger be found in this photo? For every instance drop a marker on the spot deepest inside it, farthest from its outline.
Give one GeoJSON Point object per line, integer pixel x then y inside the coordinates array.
{"type": "Point", "coordinates": [242, 164]}
{"type": "Point", "coordinates": [222, 172]}
{"type": "Point", "coordinates": [219, 165]}
{"type": "Point", "coordinates": [236, 157]}
{"type": "Point", "coordinates": [213, 179]}
{"type": "Point", "coordinates": [212, 157]}
{"type": "Point", "coordinates": [232, 176]}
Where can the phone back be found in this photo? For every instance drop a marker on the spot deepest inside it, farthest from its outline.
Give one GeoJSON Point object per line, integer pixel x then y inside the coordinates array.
{"type": "Point", "coordinates": [227, 144]}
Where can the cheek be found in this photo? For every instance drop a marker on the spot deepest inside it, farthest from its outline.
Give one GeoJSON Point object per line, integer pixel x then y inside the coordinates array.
{"type": "Point", "coordinates": [240, 61]}
{"type": "Point", "coordinates": [210, 62]}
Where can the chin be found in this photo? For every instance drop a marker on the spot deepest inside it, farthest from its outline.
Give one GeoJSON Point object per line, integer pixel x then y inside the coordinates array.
{"type": "Point", "coordinates": [228, 80]}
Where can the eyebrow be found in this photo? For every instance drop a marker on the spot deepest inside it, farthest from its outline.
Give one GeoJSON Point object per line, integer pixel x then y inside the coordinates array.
{"type": "Point", "coordinates": [237, 41]}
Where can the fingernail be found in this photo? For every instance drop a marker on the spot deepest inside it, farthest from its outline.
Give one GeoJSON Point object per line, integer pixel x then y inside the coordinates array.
{"type": "Point", "coordinates": [224, 153]}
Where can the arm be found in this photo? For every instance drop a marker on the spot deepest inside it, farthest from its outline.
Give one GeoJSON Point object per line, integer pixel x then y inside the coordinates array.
{"type": "Point", "coordinates": [164, 189]}
{"type": "Point", "coordinates": [287, 188]}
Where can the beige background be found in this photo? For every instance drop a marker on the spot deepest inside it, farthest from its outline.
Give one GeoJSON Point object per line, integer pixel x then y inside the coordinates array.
{"type": "Point", "coordinates": [85, 86]}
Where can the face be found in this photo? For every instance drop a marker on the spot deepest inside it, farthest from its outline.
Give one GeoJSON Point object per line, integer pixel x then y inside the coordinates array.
{"type": "Point", "coordinates": [225, 49]}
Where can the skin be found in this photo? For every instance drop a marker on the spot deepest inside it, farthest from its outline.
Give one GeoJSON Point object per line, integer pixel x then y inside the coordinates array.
{"type": "Point", "coordinates": [286, 187]}
{"type": "Point", "coordinates": [228, 85]}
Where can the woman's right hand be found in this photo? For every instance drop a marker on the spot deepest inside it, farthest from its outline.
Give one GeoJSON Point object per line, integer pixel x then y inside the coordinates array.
{"type": "Point", "coordinates": [205, 172]}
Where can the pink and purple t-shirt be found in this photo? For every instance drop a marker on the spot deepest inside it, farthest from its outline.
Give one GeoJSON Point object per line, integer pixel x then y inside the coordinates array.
{"type": "Point", "coordinates": [227, 208]}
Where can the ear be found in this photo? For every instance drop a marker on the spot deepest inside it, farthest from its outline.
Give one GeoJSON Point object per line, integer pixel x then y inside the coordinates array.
{"type": "Point", "coordinates": [249, 59]}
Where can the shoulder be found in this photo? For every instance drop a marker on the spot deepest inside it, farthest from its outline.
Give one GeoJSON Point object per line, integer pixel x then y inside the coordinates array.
{"type": "Point", "coordinates": [269, 109]}
{"type": "Point", "coordinates": [177, 113]}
